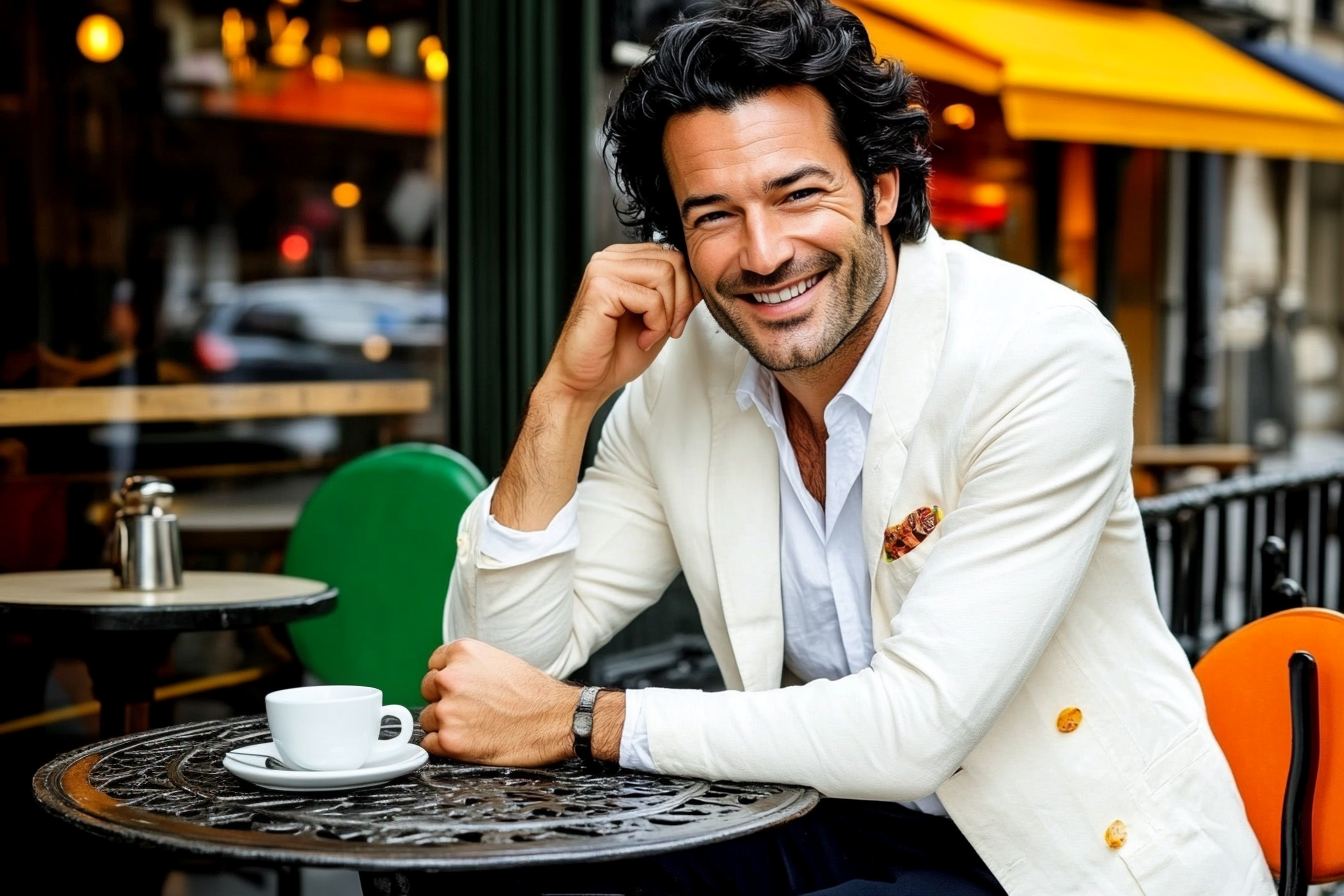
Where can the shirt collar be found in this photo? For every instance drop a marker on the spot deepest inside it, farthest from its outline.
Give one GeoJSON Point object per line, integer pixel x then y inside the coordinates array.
{"type": "Point", "coordinates": [758, 386]}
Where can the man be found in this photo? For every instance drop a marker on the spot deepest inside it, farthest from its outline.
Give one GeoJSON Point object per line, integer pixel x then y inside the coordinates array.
{"type": "Point", "coordinates": [888, 466]}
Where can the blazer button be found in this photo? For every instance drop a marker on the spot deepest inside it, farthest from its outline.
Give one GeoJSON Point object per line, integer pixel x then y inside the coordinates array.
{"type": "Point", "coordinates": [1116, 834]}
{"type": "Point", "coordinates": [1069, 719]}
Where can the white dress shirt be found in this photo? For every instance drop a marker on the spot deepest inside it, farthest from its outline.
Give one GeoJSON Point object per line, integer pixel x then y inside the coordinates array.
{"type": "Point", "coordinates": [828, 630]}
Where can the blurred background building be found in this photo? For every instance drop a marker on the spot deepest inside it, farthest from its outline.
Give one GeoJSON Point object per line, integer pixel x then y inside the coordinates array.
{"type": "Point", "coordinates": [297, 191]}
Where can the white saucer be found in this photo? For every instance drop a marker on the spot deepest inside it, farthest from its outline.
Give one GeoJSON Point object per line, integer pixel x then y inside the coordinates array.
{"type": "Point", "coordinates": [253, 768]}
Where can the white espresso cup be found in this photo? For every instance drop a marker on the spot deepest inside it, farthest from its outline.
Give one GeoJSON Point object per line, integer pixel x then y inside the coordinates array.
{"type": "Point", "coordinates": [333, 727]}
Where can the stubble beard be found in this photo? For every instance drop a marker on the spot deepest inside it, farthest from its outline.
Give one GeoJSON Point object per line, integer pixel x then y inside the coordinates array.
{"type": "Point", "coordinates": [865, 276]}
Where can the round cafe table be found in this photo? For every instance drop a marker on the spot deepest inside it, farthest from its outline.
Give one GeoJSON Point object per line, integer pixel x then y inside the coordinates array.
{"type": "Point", "coordinates": [168, 789]}
{"type": "Point", "coordinates": [126, 634]}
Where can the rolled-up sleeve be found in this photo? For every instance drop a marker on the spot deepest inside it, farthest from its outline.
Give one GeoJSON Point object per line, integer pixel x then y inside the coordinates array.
{"type": "Point", "coordinates": [553, 597]}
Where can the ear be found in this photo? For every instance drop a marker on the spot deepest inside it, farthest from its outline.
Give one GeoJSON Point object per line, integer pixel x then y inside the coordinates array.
{"type": "Point", "coordinates": [886, 192]}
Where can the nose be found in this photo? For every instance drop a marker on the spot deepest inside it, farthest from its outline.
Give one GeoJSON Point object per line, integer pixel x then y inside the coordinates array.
{"type": "Point", "coordinates": [765, 246]}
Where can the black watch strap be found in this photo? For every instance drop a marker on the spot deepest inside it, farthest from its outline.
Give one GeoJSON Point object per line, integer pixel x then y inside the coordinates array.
{"type": "Point", "coordinates": [583, 724]}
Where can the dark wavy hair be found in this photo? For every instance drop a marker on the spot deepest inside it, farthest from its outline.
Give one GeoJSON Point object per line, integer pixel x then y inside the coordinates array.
{"type": "Point", "coordinates": [737, 51]}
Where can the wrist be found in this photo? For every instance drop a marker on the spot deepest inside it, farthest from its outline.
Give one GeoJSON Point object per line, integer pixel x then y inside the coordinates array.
{"type": "Point", "coordinates": [560, 401]}
{"type": "Point", "coordinates": [604, 723]}
{"type": "Point", "coordinates": [608, 725]}
{"type": "Point", "coordinates": [543, 468]}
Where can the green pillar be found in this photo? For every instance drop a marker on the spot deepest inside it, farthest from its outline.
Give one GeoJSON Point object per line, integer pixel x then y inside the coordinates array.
{"type": "Point", "coordinates": [517, 121]}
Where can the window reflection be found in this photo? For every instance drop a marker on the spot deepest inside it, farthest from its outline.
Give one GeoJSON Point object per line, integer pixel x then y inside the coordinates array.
{"type": "Point", "coordinates": [241, 193]}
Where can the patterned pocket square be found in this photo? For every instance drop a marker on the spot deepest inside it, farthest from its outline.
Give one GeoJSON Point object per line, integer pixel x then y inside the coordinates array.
{"type": "Point", "coordinates": [906, 535]}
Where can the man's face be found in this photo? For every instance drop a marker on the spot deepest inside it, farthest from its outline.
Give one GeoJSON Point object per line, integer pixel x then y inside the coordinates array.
{"type": "Point", "coordinates": [774, 224]}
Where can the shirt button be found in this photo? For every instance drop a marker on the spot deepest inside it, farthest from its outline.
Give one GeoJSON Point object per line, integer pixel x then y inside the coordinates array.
{"type": "Point", "coordinates": [1116, 834]}
{"type": "Point", "coordinates": [1069, 719]}
{"type": "Point", "coordinates": [463, 545]}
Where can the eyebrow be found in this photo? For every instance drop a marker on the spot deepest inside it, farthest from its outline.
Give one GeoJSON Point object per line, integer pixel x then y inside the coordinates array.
{"type": "Point", "coordinates": [693, 202]}
{"type": "Point", "coordinates": [779, 183]}
{"type": "Point", "coordinates": [775, 183]}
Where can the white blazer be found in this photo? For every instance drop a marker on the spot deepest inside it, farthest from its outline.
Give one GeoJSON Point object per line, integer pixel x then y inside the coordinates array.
{"type": "Point", "coordinates": [1007, 401]}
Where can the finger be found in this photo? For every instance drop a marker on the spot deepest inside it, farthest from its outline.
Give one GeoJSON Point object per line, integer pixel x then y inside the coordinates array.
{"type": "Point", "coordinates": [429, 689]}
{"type": "Point", "coordinates": [688, 293]}
{"type": "Point", "coordinates": [429, 718]}
{"type": "Point", "coordinates": [439, 658]}
{"type": "Point", "coordinates": [431, 744]}
{"type": "Point", "coordinates": [654, 268]}
{"type": "Point", "coordinates": [684, 293]}
{"type": "Point", "coordinates": [643, 302]}
{"type": "Point", "coordinates": [633, 248]}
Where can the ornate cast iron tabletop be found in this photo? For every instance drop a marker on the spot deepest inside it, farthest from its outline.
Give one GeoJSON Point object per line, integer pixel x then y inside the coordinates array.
{"type": "Point", "coordinates": [169, 788]}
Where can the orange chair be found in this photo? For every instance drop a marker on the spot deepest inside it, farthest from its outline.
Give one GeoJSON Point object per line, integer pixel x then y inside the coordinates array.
{"type": "Point", "coordinates": [1284, 674]}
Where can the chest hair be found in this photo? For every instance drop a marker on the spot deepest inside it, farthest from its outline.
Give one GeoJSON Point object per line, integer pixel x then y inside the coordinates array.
{"type": "Point", "coordinates": [809, 446]}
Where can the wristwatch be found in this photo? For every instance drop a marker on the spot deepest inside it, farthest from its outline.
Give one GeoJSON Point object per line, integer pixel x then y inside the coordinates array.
{"type": "Point", "coordinates": [583, 724]}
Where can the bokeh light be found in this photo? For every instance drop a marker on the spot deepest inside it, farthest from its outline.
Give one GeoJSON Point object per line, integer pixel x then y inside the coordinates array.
{"type": "Point", "coordinates": [99, 38]}
{"type": "Point", "coordinates": [295, 246]}
{"type": "Point", "coordinates": [959, 115]}
{"type": "Point", "coordinates": [376, 347]}
{"type": "Point", "coordinates": [327, 68]}
{"type": "Point", "coordinates": [429, 45]}
{"type": "Point", "coordinates": [345, 194]}
{"type": "Point", "coordinates": [436, 65]}
{"type": "Point", "coordinates": [379, 41]}
{"type": "Point", "coordinates": [989, 194]}
{"type": "Point", "coordinates": [289, 49]}
{"type": "Point", "coordinates": [233, 34]}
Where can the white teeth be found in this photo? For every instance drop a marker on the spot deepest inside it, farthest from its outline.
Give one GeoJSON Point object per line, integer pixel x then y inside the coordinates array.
{"type": "Point", "coordinates": [790, 292]}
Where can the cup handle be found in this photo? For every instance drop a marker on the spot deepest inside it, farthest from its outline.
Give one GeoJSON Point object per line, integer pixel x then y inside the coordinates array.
{"type": "Point", "coordinates": [384, 749]}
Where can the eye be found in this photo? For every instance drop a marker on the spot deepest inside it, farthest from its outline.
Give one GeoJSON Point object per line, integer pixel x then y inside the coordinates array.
{"type": "Point", "coordinates": [709, 218]}
{"type": "Point", "coordinates": [804, 193]}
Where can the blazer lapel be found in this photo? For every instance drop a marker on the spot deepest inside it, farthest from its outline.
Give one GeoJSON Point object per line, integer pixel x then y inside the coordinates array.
{"type": "Point", "coordinates": [744, 535]}
{"type": "Point", "coordinates": [919, 308]}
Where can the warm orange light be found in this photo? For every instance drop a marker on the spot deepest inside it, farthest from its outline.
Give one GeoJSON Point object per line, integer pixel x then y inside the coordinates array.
{"type": "Point", "coordinates": [429, 45]}
{"type": "Point", "coordinates": [233, 34]}
{"type": "Point", "coordinates": [290, 2]}
{"type": "Point", "coordinates": [276, 21]}
{"type": "Point", "coordinates": [331, 45]}
{"type": "Point", "coordinates": [289, 50]}
{"type": "Point", "coordinates": [327, 68]}
{"type": "Point", "coordinates": [242, 68]}
{"type": "Point", "coordinates": [288, 55]}
{"type": "Point", "coordinates": [436, 65]}
{"type": "Point", "coordinates": [379, 41]}
{"type": "Point", "coordinates": [99, 38]}
{"type": "Point", "coordinates": [345, 195]}
{"type": "Point", "coordinates": [295, 246]}
{"type": "Point", "coordinates": [989, 194]}
{"type": "Point", "coordinates": [959, 115]}
{"type": "Point", "coordinates": [377, 347]}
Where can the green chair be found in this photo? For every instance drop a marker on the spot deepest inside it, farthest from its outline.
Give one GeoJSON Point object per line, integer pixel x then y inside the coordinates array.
{"type": "Point", "coordinates": [382, 529]}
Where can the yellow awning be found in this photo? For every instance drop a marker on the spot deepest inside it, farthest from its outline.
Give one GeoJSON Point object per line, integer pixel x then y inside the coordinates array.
{"type": "Point", "coordinates": [1089, 73]}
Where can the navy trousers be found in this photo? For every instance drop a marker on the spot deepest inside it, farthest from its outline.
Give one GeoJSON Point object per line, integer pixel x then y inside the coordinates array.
{"type": "Point", "coordinates": [840, 848]}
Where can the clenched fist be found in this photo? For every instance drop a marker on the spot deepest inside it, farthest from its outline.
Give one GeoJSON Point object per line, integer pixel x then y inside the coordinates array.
{"type": "Point", "coordinates": [490, 707]}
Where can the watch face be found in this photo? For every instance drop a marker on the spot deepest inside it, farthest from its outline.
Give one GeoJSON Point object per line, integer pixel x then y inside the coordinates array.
{"type": "Point", "coordinates": [583, 725]}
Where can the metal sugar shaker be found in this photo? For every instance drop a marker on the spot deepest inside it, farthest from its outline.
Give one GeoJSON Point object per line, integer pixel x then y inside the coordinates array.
{"type": "Point", "coordinates": [146, 542]}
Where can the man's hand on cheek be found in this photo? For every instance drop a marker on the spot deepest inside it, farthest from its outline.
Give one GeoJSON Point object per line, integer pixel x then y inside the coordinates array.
{"type": "Point", "coordinates": [490, 707]}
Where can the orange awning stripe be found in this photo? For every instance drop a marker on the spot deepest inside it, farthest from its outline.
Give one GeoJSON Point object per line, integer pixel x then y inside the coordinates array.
{"type": "Point", "coordinates": [1083, 72]}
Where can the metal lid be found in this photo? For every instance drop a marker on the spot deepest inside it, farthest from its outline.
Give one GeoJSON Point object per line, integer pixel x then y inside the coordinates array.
{"type": "Point", "coordinates": [145, 494]}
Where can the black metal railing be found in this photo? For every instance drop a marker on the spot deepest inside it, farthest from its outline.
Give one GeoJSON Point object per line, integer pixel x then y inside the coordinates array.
{"type": "Point", "coordinates": [1214, 563]}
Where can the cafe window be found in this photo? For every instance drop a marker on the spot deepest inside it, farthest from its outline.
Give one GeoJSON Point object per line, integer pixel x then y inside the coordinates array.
{"type": "Point", "coordinates": [215, 193]}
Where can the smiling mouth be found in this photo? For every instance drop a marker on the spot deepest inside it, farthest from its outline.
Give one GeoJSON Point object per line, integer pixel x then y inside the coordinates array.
{"type": "Point", "coordinates": [788, 292]}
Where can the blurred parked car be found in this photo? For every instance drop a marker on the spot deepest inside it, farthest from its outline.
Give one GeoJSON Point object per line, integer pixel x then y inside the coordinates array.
{"type": "Point", "coordinates": [318, 329]}
{"type": "Point", "coordinates": [298, 329]}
